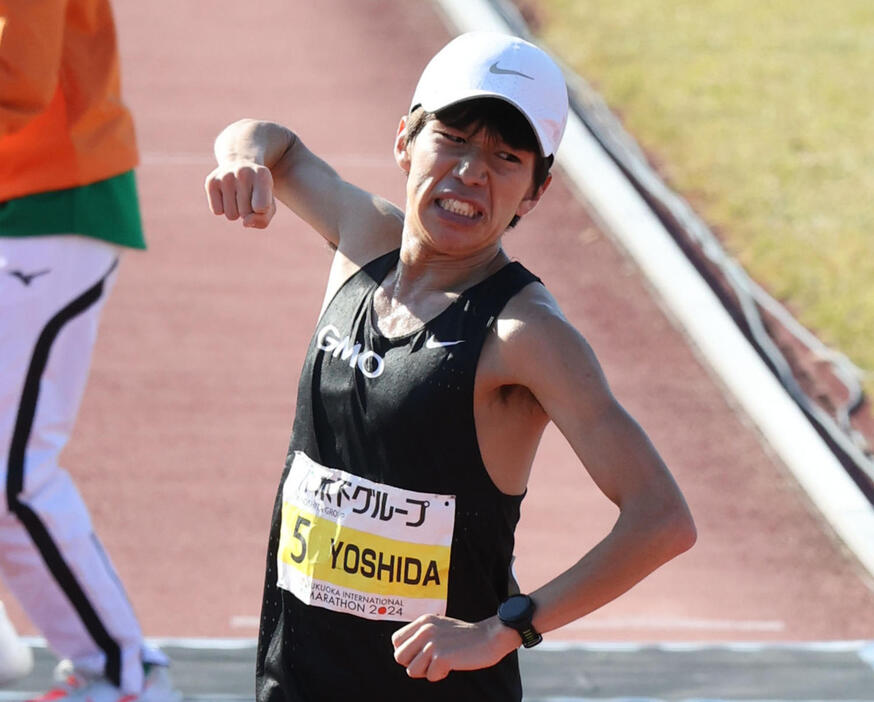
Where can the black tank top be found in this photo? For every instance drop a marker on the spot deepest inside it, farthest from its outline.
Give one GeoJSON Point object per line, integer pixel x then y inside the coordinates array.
{"type": "Point", "coordinates": [385, 510]}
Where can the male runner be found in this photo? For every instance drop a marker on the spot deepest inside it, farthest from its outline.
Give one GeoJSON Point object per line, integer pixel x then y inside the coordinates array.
{"type": "Point", "coordinates": [435, 366]}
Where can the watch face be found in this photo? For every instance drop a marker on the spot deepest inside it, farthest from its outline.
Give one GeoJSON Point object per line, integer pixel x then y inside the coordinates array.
{"type": "Point", "coordinates": [515, 607]}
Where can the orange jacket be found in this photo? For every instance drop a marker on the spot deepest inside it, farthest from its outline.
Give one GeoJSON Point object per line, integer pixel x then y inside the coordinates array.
{"type": "Point", "coordinates": [62, 122]}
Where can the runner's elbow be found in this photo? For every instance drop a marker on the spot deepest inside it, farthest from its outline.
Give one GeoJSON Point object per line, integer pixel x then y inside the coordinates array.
{"type": "Point", "coordinates": [678, 531]}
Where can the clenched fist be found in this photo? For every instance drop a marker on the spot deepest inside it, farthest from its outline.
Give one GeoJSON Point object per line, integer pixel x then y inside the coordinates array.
{"type": "Point", "coordinates": [242, 190]}
{"type": "Point", "coordinates": [432, 646]}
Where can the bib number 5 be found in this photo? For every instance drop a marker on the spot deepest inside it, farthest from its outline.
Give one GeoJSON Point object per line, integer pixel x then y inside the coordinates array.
{"type": "Point", "coordinates": [301, 522]}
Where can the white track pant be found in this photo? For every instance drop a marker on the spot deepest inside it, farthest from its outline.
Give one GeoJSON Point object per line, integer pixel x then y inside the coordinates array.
{"type": "Point", "coordinates": [52, 290]}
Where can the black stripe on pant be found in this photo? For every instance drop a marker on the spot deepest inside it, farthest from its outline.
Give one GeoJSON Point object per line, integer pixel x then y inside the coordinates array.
{"type": "Point", "coordinates": [42, 539]}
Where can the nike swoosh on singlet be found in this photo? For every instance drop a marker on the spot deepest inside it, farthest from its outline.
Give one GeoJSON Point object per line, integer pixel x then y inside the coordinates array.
{"type": "Point", "coordinates": [494, 68]}
{"type": "Point", "coordinates": [432, 343]}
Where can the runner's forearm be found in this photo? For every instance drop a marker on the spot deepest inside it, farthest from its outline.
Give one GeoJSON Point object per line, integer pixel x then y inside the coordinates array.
{"type": "Point", "coordinates": [635, 547]}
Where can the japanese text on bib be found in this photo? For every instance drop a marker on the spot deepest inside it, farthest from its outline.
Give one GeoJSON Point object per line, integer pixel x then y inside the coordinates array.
{"type": "Point", "coordinates": [353, 545]}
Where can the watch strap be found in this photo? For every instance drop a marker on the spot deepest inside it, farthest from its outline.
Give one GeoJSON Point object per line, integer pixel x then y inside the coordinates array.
{"type": "Point", "coordinates": [530, 636]}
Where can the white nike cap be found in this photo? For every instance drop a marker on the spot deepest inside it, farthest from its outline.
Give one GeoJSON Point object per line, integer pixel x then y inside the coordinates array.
{"type": "Point", "coordinates": [489, 64]}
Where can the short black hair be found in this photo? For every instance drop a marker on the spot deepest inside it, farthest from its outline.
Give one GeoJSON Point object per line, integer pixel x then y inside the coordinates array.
{"type": "Point", "coordinates": [495, 116]}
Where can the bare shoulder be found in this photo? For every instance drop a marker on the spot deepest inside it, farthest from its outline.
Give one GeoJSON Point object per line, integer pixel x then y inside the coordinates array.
{"type": "Point", "coordinates": [532, 325]}
{"type": "Point", "coordinates": [538, 348]}
{"type": "Point", "coordinates": [370, 228]}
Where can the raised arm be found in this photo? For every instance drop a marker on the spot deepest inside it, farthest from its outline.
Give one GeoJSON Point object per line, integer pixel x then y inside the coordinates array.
{"type": "Point", "coordinates": [259, 160]}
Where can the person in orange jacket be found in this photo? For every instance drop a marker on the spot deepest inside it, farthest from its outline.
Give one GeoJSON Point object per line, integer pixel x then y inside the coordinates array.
{"type": "Point", "coordinates": [68, 208]}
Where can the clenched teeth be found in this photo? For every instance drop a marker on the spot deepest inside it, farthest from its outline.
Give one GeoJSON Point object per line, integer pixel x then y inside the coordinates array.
{"type": "Point", "coordinates": [457, 207]}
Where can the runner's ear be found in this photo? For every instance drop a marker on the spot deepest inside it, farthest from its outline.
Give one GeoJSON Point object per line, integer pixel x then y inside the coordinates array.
{"type": "Point", "coordinates": [402, 153]}
{"type": "Point", "coordinates": [529, 203]}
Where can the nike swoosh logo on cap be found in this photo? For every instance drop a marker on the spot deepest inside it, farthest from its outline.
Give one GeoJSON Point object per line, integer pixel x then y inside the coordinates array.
{"type": "Point", "coordinates": [497, 70]}
{"type": "Point", "coordinates": [432, 343]}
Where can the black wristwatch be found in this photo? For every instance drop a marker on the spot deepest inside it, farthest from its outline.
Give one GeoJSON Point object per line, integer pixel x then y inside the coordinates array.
{"type": "Point", "coordinates": [517, 612]}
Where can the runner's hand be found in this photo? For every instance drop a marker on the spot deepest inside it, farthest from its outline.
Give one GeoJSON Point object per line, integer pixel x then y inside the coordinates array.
{"type": "Point", "coordinates": [432, 646]}
{"type": "Point", "coordinates": [242, 190]}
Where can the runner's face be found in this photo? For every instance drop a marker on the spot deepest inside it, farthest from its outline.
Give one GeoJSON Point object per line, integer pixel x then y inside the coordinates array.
{"type": "Point", "coordinates": [463, 186]}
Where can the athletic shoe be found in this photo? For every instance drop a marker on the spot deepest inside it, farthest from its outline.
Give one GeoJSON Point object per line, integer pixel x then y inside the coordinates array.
{"type": "Point", "coordinates": [16, 659]}
{"type": "Point", "coordinates": [75, 687]}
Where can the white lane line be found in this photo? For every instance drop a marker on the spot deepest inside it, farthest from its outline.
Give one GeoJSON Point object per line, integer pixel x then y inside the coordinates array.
{"type": "Point", "coordinates": [624, 214]}
{"type": "Point", "coordinates": [154, 158]}
{"type": "Point", "coordinates": [675, 624]}
{"type": "Point", "coordinates": [193, 643]}
{"type": "Point", "coordinates": [204, 644]}
{"type": "Point", "coordinates": [184, 158]}
{"type": "Point", "coordinates": [245, 621]}
{"type": "Point", "coordinates": [862, 648]}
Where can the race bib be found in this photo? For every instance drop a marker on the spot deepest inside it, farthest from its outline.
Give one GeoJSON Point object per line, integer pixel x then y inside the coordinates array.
{"type": "Point", "coordinates": [352, 545]}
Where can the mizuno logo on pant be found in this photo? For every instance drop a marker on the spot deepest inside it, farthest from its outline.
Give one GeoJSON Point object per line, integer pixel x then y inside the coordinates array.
{"type": "Point", "coordinates": [369, 363]}
{"type": "Point", "coordinates": [26, 278]}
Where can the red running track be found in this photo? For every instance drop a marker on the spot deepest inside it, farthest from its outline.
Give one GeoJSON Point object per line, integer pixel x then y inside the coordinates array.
{"type": "Point", "coordinates": [185, 422]}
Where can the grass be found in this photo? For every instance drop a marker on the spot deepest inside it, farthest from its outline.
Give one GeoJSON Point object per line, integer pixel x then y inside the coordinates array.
{"type": "Point", "coordinates": [762, 115]}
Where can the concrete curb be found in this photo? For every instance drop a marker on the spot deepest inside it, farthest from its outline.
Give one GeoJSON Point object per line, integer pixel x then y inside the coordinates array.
{"type": "Point", "coordinates": [628, 219]}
